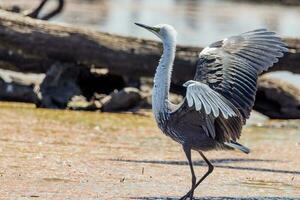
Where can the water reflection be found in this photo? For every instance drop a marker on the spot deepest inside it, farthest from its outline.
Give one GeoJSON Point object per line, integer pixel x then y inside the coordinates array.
{"type": "Point", "coordinates": [199, 22]}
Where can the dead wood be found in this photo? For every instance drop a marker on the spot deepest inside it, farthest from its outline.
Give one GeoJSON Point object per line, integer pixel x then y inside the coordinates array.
{"type": "Point", "coordinates": [277, 99]}
{"type": "Point", "coordinates": [59, 86]}
{"type": "Point", "coordinates": [37, 12]}
{"type": "Point", "coordinates": [18, 87]}
{"type": "Point", "coordinates": [121, 100]}
{"type": "Point", "coordinates": [64, 81]}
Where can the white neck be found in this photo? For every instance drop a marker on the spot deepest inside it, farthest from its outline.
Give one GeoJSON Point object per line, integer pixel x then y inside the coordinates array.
{"type": "Point", "coordinates": [162, 78]}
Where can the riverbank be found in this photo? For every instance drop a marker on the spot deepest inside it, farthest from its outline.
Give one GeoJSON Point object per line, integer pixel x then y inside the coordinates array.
{"type": "Point", "coordinates": [59, 154]}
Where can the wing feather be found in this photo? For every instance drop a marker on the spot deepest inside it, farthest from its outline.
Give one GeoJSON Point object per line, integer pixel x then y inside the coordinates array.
{"type": "Point", "coordinates": [214, 104]}
{"type": "Point", "coordinates": [240, 60]}
{"type": "Point", "coordinates": [201, 95]}
{"type": "Point", "coordinates": [225, 83]}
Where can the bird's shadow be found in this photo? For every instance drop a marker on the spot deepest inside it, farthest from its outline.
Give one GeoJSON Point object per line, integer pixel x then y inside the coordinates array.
{"type": "Point", "coordinates": [217, 163]}
{"type": "Point", "coordinates": [218, 198]}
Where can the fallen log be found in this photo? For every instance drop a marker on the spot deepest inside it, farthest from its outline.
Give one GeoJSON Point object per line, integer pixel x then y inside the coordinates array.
{"type": "Point", "coordinates": [19, 87]}
{"type": "Point", "coordinates": [121, 100]}
{"type": "Point", "coordinates": [37, 12]}
{"type": "Point", "coordinates": [64, 81]}
{"type": "Point", "coordinates": [277, 99]}
{"type": "Point", "coordinates": [59, 86]}
{"type": "Point", "coordinates": [30, 45]}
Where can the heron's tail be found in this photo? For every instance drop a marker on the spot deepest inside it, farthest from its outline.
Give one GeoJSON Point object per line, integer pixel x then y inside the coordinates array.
{"type": "Point", "coordinates": [238, 146]}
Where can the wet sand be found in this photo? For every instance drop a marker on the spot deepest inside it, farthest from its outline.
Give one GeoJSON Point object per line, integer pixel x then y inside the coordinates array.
{"type": "Point", "coordinates": [48, 154]}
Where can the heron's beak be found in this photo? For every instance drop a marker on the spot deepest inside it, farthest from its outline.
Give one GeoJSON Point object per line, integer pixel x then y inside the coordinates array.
{"type": "Point", "coordinates": [152, 29]}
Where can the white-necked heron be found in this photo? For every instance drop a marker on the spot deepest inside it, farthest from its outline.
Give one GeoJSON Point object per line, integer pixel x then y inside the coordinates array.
{"type": "Point", "coordinates": [220, 98]}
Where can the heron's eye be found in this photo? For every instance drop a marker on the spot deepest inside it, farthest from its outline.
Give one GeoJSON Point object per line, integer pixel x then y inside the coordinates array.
{"type": "Point", "coordinates": [156, 29]}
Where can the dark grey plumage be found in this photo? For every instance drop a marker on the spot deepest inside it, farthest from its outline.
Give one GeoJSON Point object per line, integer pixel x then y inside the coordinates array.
{"type": "Point", "coordinates": [220, 98]}
{"type": "Point", "coordinates": [230, 68]}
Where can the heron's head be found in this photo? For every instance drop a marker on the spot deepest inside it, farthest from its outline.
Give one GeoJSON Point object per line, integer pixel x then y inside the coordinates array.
{"type": "Point", "coordinates": [163, 31]}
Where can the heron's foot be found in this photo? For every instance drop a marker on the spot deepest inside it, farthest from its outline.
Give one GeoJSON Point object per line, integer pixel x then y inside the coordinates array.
{"type": "Point", "coordinates": [188, 196]}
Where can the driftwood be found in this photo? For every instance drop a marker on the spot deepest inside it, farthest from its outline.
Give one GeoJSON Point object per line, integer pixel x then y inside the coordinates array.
{"type": "Point", "coordinates": [19, 87]}
{"type": "Point", "coordinates": [29, 45]}
{"type": "Point", "coordinates": [38, 45]}
{"type": "Point", "coordinates": [64, 81]}
{"type": "Point", "coordinates": [277, 99]}
{"type": "Point", "coordinates": [36, 13]}
{"type": "Point", "coordinates": [121, 100]}
{"type": "Point", "coordinates": [17, 92]}
{"type": "Point", "coordinates": [59, 86]}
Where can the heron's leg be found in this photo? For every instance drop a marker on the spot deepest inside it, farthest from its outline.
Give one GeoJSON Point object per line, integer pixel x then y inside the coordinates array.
{"type": "Point", "coordinates": [210, 169]}
{"type": "Point", "coordinates": [187, 151]}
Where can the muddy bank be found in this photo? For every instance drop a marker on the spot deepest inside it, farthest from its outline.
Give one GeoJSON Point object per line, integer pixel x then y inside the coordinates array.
{"type": "Point", "coordinates": [62, 154]}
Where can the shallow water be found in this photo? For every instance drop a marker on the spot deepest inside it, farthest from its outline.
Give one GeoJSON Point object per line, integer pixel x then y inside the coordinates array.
{"type": "Point", "coordinates": [199, 22]}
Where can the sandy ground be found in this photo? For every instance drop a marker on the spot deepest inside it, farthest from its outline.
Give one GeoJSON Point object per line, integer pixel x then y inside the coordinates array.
{"type": "Point", "coordinates": [46, 154]}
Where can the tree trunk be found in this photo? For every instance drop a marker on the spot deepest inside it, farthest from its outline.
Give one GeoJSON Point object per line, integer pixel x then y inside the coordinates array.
{"type": "Point", "coordinates": [30, 45]}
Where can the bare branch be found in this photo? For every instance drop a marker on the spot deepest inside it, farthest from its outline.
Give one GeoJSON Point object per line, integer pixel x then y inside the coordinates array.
{"type": "Point", "coordinates": [36, 12]}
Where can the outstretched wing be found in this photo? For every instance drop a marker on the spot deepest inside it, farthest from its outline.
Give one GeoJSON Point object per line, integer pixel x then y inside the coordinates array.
{"type": "Point", "coordinates": [226, 82]}
{"type": "Point", "coordinates": [231, 66]}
